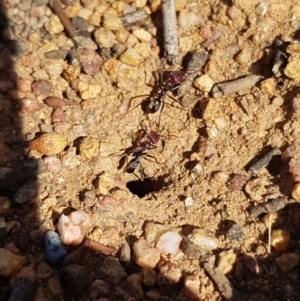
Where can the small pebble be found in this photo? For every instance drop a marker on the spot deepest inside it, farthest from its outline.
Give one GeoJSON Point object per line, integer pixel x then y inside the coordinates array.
{"type": "Point", "coordinates": [292, 69]}
{"type": "Point", "coordinates": [131, 58]}
{"type": "Point", "coordinates": [169, 274]}
{"type": "Point", "coordinates": [280, 240]}
{"type": "Point", "coordinates": [142, 35]}
{"type": "Point", "coordinates": [278, 101]}
{"type": "Point", "coordinates": [88, 90]}
{"type": "Point", "coordinates": [227, 262]}
{"type": "Point", "coordinates": [54, 102]}
{"type": "Point", "coordinates": [204, 83]}
{"type": "Point", "coordinates": [287, 261]}
{"type": "Point", "coordinates": [58, 115]}
{"type": "Point", "coordinates": [113, 203]}
{"type": "Point", "coordinates": [206, 243]}
{"type": "Point", "coordinates": [55, 250]}
{"type": "Point", "coordinates": [48, 144]}
{"type": "Point", "coordinates": [296, 104]}
{"type": "Point", "coordinates": [44, 271]}
{"type": "Point", "coordinates": [105, 38]}
{"type": "Point", "coordinates": [84, 13]}
{"type": "Point", "coordinates": [153, 231]}
{"type": "Point", "coordinates": [236, 232]}
{"type": "Point", "coordinates": [294, 168]}
{"type": "Point", "coordinates": [90, 61]}
{"type": "Point", "coordinates": [113, 270]}
{"type": "Point", "coordinates": [72, 228]}
{"type": "Point", "coordinates": [296, 192]}
{"type": "Point", "coordinates": [26, 272]}
{"type": "Point", "coordinates": [237, 181]}
{"type": "Point", "coordinates": [233, 12]}
{"type": "Point", "coordinates": [221, 122]}
{"type": "Point", "coordinates": [145, 256]}
{"type": "Point", "coordinates": [55, 287]}
{"type": "Point", "coordinates": [10, 262]}
{"type": "Point", "coordinates": [111, 22]}
{"type": "Point", "coordinates": [104, 183]}
{"type": "Point", "coordinates": [198, 169]}
{"type": "Point", "coordinates": [186, 19]}
{"type": "Point", "coordinates": [169, 242]}
{"type": "Point", "coordinates": [118, 49]}
{"type": "Point", "coordinates": [54, 26]}
{"type": "Point", "coordinates": [4, 205]}
{"type": "Point", "coordinates": [134, 284]}
{"type": "Point", "coordinates": [24, 290]}
{"type": "Point", "coordinates": [269, 85]}
{"type": "Point", "coordinates": [73, 279]}
{"type": "Point", "coordinates": [122, 35]}
{"type": "Point", "coordinates": [42, 87]}
{"type": "Point", "coordinates": [59, 54]}
{"type": "Point", "coordinates": [261, 9]}
{"type": "Point", "coordinates": [149, 277]}
{"type": "Point", "coordinates": [88, 148]}
{"type": "Point", "coordinates": [188, 201]}
{"type": "Point", "coordinates": [153, 295]}
{"type": "Point", "coordinates": [205, 32]}
{"type": "Point", "coordinates": [192, 287]}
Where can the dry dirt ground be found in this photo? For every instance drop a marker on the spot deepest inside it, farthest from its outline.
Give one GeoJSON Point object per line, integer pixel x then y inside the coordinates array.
{"type": "Point", "coordinates": [253, 120]}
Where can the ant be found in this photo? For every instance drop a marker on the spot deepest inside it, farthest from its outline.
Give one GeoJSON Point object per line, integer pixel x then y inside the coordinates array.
{"type": "Point", "coordinates": [152, 104]}
{"type": "Point", "coordinates": [143, 142]}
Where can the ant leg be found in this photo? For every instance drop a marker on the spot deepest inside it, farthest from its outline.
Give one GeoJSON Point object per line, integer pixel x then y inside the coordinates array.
{"type": "Point", "coordinates": [147, 156]}
{"type": "Point", "coordinates": [132, 98]}
{"type": "Point", "coordinates": [141, 170]}
{"type": "Point", "coordinates": [162, 107]}
{"type": "Point", "coordinates": [181, 108]}
{"type": "Point", "coordinates": [123, 162]}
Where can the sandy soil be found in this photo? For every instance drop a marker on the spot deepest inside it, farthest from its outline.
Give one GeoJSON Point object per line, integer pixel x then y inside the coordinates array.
{"type": "Point", "coordinates": [255, 120]}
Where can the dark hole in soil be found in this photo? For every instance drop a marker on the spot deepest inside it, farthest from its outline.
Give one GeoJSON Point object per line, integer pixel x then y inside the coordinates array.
{"type": "Point", "coordinates": [141, 188]}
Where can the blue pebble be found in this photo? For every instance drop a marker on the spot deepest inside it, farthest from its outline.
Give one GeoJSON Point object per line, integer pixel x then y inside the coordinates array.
{"type": "Point", "coordinates": [55, 249]}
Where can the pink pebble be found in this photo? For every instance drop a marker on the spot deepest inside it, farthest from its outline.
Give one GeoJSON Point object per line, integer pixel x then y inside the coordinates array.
{"type": "Point", "coordinates": [169, 242]}
{"type": "Point", "coordinates": [205, 32]}
{"type": "Point", "coordinates": [73, 228]}
{"type": "Point", "coordinates": [52, 164]}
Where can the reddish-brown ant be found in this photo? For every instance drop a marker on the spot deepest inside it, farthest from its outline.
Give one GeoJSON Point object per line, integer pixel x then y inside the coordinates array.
{"type": "Point", "coordinates": [143, 142]}
{"type": "Point", "coordinates": [152, 104]}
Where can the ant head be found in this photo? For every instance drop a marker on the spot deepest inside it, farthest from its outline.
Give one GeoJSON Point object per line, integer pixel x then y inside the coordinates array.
{"type": "Point", "coordinates": [169, 84]}
{"type": "Point", "coordinates": [146, 144]}
{"type": "Point", "coordinates": [153, 137]}
{"type": "Point", "coordinates": [176, 77]}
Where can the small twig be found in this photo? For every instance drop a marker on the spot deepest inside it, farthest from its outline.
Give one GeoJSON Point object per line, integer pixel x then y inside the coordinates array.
{"type": "Point", "coordinates": [271, 206]}
{"type": "Point", "coordinates": [223, 284]}
{"type": "Point", "coordinates": [264, 161]}
{"type": "Point", "coordinates": [88, 243]}
{"type": "Point", "coordinates": [269, 233]}
{"type": "Point", "coordinates": [186, 92]}
{"type": "Point", "coordinates": [227, 88]}
{"type": "Point", "coordinates": [64, 19]}
{"type": "Point", "coordinates": [134, 18]}
{"type": "Point", "coordinates": [170, 32]}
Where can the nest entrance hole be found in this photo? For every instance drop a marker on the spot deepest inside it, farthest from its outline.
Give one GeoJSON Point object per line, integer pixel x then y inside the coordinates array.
{"type": "Point", "coordinates": [142, 188]}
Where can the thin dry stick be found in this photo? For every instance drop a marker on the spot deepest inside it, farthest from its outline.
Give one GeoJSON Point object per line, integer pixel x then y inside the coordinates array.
{"type": "Point", "coordinates": [269, 233]}
{"type": "Point", "coordinates": [88, 243]}
{"type": "Point", "coordinates": [64, 19]}
{"type": "Point", "coordinates": [134, 18]}
{"type": "Point", "coordinates": [227, 88]}
{"type": "Point", "coordinates": [170, 32]}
